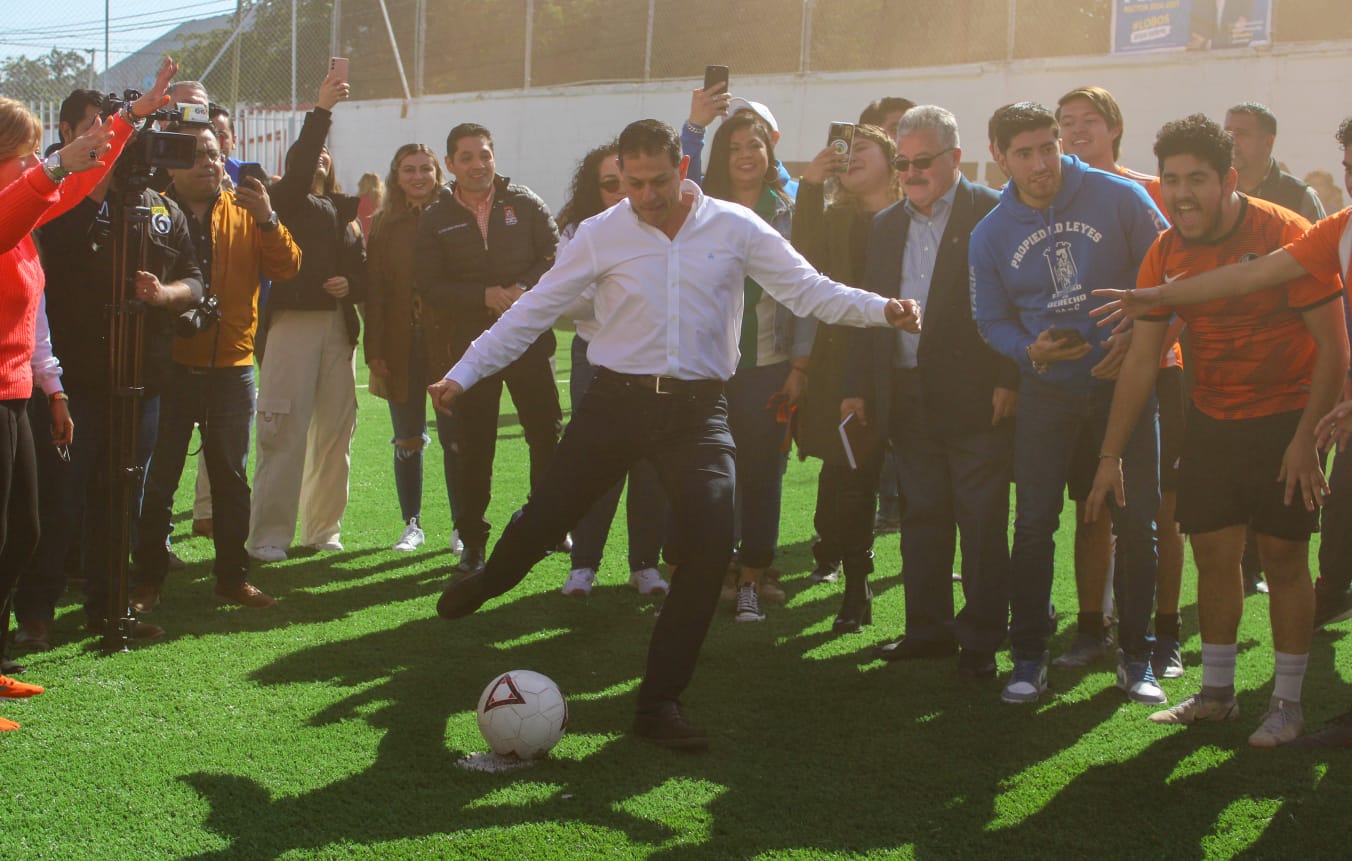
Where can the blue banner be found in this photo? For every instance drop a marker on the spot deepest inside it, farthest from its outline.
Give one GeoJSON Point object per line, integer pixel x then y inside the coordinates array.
{"type": "Point", "coordinates": [1195, 25]}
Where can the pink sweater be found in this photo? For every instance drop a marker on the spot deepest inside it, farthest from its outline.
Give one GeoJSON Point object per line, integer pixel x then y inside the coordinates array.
{"type": "Point", "coordinates": [29, 202]}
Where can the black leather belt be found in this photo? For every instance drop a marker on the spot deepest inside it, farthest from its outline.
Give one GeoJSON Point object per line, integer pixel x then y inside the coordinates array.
{"type": "Point", "coordinates": [663, 385]}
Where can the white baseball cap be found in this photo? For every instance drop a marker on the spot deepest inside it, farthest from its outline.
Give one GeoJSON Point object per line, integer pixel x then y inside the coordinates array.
{"type": "Point", "coordinates": [737, 103]}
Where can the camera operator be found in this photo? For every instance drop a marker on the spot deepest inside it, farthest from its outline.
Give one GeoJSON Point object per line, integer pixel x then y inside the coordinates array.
{"type": "Point", "coordinates": [78, 258]}
{"type": "Point", "coordinates": [238, 239]}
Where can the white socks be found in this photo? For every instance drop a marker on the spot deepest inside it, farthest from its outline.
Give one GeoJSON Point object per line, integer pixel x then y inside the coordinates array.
{"type": "Point", "coordinates": [1290, 676]}
{"type": "Point", "coordinates": [1218, 670]}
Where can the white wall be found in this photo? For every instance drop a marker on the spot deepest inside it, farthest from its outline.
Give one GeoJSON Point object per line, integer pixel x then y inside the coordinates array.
{"type": "Point", "coordinates": [541, 134]}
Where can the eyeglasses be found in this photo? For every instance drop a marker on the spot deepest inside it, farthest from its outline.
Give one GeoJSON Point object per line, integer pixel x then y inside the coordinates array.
{"type": "Point", "coordinates": [610, 184]}
{"type": "Point", "coordinates": [923, 163]}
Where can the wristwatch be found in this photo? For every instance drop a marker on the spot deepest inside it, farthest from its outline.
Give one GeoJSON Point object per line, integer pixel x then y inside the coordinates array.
{"type": "Point", "coordinates": [58, 396]}
{"type": "Point", "coordinates": [1039, 367]}
{"type": "Point", "coordinates": [54, 169]}
{"type": "Point", "coordinates": [271, 224]}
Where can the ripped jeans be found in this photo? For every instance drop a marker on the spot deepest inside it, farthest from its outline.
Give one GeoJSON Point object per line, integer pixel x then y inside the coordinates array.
{"type": "Point", "coordinates": [409, 420]}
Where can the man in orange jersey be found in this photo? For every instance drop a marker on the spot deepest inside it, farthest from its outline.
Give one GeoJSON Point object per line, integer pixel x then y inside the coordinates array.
{"type": "Point", "coordinates": [1267, 368]}
{"type": "Point", "coordinates": [1091, 128]}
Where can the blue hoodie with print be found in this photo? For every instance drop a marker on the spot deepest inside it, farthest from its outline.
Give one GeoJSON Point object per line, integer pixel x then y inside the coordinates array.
{"type": "Point", "coordinates": [1033, 268]}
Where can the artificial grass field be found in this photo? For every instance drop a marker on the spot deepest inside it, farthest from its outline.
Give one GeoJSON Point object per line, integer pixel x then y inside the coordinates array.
{"type": "Point", "coordinates": [330, 725]}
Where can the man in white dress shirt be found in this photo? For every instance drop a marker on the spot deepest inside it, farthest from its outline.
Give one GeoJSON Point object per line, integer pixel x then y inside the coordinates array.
{"type": "Point", "coordinates": [669, 265]}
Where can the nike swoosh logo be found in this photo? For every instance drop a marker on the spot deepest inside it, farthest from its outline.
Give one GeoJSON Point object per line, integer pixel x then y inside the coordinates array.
{"type": "Point", "coordinates": [1169, 279]}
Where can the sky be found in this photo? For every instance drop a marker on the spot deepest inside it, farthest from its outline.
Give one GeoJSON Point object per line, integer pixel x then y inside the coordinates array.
{"type": "Point", "coordinates": [79, 24]}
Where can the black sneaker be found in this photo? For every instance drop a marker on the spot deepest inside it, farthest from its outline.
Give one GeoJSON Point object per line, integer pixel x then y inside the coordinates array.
{"type": "Point", "coordinates": [1331, 606]}
{"type": "Point", "coordinates": [666, 726]}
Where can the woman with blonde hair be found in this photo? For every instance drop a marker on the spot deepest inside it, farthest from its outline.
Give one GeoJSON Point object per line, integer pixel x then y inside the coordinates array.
{"type": "Point", "coordinates": [32, 192]}
{"type": "Point", "coordinates": [370, 198]}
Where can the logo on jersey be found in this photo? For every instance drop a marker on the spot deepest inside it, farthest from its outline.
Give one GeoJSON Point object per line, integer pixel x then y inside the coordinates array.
{"type": "Point", "coordinates": [509, 216]}
{"type": "Point", "coordinates": [1065, 274]}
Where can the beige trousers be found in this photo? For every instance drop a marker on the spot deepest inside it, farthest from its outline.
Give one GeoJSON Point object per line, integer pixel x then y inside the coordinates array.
{"type": "Point", "coordinates": [307, 413]}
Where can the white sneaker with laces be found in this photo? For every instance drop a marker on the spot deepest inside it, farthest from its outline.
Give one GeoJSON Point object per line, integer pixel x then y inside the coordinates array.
{"type": "Point", "coordinates": [1198, 709]}
{"type": "Point", "coordinates": [579, 582]}
{"type": "Point", "coordinates": [647, 581]}
{"type": "Point", "coordinates": [457, 546]}
{"type": "Point", "coordinates": [268, 553]}
{"type": "Point", "coordinates": [332, 545]}
{"type": "Point", "coordinates": [412, 538]}
{"type": "Point", "coordinates": [1285, 721]}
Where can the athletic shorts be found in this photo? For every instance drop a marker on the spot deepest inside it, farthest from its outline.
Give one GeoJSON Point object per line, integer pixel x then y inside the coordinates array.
{"type": "Point", "coordinates": [1228, 477]}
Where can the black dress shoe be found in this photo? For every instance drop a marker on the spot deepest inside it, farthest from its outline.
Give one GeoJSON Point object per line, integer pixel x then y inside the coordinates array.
{"type": "Point", "coordinates": [911, 648]}
{"type": "Point", "coordinates": [666, 726]}
{"type": "Point", "coordinates": [463, 596]}
{"type": "Point", "coordinates": [472, 560]}
{"type": "Point", "coordinates": [976, 665]}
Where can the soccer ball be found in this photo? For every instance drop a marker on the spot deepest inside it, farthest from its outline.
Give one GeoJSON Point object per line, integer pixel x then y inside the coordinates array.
{"type": "Point", "coordinates": [522, 713]}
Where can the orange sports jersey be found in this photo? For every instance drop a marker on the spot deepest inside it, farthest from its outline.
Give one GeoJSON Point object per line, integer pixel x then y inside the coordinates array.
{"type": "Point", "coordinates": [1318, 250]}
{"type": "Point", "coordinates": [1251, 355]}
{"type": "Point", "coordinates": [1173, 357]}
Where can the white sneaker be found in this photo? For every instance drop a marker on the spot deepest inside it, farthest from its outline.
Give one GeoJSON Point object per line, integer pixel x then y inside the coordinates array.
{"type": "Point", "coordinates": [412, 538]}
{"type": "Point", "coordinates": [332, 545]}
{"type": "Point", "coordinates": [268, 553]}
{"type": "Point", "coordinates": [1198, 709]}
{"type": "Point", "coordinates": [1284, 722]}
{"type": "Point", "coordinates": [579, 582]}
{"type": "Point", "coordinates": [647, 581]}
{"type": "Point", "coordinates": [457, 546]}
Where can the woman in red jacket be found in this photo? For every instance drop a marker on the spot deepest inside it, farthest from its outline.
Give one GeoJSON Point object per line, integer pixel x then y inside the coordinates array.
{"type": "Point", "coordinates": [33, 192]}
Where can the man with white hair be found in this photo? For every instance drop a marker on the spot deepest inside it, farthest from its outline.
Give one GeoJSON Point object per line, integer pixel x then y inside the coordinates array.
{"type": "Point", "coordinates": [944, 398]}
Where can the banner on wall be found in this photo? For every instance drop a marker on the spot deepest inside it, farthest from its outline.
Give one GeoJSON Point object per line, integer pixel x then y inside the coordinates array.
{"type": "Point", "coordinates": [1140, 26]}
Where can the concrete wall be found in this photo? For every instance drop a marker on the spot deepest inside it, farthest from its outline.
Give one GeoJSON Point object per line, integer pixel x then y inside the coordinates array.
{"type": "Point", "coordinates": [542, 133]}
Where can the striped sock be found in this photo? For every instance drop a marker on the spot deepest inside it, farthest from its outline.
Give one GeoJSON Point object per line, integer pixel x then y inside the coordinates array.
{"type": "Point", "coordinates": [1218, 670]}
{"type": "Point", "coordinates": [1290, 676]}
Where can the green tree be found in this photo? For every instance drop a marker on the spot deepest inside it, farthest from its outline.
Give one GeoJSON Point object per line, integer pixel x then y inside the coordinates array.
{"type": "Point", "coordinates": [50, 77]}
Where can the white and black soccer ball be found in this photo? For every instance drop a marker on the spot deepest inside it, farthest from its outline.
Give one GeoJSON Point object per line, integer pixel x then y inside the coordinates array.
{"type": "Point", "coordinates": [522, 713]}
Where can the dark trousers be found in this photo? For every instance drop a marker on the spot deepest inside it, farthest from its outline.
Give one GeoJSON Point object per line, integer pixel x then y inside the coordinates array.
{"type": "Point", "coordinates": [530, 379]}
{"type": "Point", "coordinates": [846, 502]}
{"type": "Point", "coordinates": [18, 499]}
{"type": "Point", "coordinates": [1050, 418]}
{"type": "Point", "coordinates": [956, 485]}
{"type": "Point", "coordinates": [78, 492]}
{"type": "Point", "coordinates": [686, 438]}
{"type": "Point", "coordinates": [222, 401]}
{"type": "Point", "coordinates": [645, 506]}
{"type": "Point", "coordinates": [1335, 538]}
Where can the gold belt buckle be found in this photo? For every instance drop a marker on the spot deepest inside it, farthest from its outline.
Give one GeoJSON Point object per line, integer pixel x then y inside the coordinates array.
{"type": "Point", "coordinates": [657, 385]}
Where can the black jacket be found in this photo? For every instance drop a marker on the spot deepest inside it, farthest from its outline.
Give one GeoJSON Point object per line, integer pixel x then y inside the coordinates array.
{"type": "Point", "coordinates": [77, 255]}
{"type": "Point", "coordinates": [958, 371]}
{"type": "Point", "coordinates": [454, 265]}
{"type": "Point", "coordinates": [322, 227]}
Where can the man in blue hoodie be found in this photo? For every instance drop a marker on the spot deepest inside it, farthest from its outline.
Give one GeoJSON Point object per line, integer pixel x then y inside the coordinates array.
{"type": "Point", "coordinates": [1061, 229]}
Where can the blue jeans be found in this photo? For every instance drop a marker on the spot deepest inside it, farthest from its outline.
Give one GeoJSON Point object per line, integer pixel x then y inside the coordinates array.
{"type": "Point", "coordinates": [645, 507]}
{"type": "Point", "coordinates": [70, 489]}
{"type": "Point", "coordinates": [1049, 420]}
{"type": "Point", "coordinates": [686, 439]}
{"type": "Point", "coordinates": [222, 401]}
{"type": "Point", "coordinates": [761, 459]}
{"type": "Point", "coordinates": [409, 420]}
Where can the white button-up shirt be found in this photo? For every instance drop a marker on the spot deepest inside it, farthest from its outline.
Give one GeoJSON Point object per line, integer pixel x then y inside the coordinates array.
{"type": "Point", "coordinates": [671, 307]}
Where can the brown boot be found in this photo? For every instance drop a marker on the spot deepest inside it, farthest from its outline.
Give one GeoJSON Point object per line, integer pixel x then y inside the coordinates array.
{"type": "Point", "coordinates": [729, 593]}
{"type": "Point", "coordinates": [204, 527]}
{"type": "Point", "coordinates": [770, 590]}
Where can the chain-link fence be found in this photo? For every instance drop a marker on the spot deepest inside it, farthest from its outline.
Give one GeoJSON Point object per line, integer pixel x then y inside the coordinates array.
{"type": "Point", "coordinates": [265, 58]}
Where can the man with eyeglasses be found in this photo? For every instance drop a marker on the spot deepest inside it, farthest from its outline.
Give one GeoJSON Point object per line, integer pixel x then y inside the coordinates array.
{"type": "Point", "coordinates": [77, 251]}
{"type": "Point", "coordinates": [238, 240]}
{"type": "Point", "coordinates": [1061, 229]}
{"type": "Point", "coordinates": [945, 400]}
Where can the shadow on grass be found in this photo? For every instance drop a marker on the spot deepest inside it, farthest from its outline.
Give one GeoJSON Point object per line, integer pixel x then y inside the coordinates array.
{"type": "Point", "coordinates": [811, 752]}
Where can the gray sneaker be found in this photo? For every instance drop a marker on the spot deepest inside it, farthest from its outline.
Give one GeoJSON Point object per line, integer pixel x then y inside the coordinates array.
{"type": "Point", "coordinates": [1137, 679]}
{"type": "Point", "coordinates": [1027, 682]}
{"type": "Point", "coordinates": [1283, 722]}
{"type": "Point", "coordinates": [1167, 659]}
{"type": "Point", "coordinates": [1084, 650]}
{"type": "Point", "coordinates": [1198, 709]}
{"type": "Point", "coordinates": [748, 605]}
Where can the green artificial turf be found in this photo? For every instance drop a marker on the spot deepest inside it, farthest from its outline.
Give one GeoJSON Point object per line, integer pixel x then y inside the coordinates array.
{"type": "Point", "coordinates": [331, 725]}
